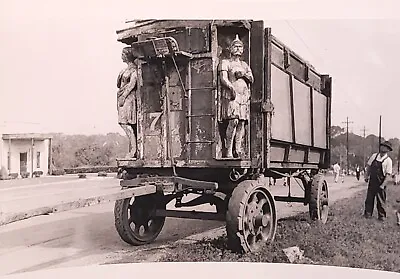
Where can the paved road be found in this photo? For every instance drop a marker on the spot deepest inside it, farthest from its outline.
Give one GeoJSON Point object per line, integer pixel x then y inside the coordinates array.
{"type": "Point", "coordinates": [87, 236]}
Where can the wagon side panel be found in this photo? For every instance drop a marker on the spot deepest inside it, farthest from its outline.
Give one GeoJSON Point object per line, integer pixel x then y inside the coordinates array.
{"type": "Point", "coordinates": [299, 128]}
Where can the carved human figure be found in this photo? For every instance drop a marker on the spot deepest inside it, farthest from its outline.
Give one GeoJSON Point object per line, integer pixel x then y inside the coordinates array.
{"type": "Point", "coordinates": [126, 99]}
{"type": "Point", "coordinates": [236, 77]}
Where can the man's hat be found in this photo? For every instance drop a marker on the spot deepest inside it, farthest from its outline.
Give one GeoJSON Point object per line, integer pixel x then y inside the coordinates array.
{"type": "Point", "coordinates": [387, 144]}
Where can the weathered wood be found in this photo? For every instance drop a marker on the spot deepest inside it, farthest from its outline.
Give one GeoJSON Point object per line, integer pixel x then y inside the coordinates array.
{"type": "Point", "coordinates": [289, 199]}
{"type": "Point", "coordinates": [191, 215]}
{"type": "Point", "coordinates": [267, 97]}
{"type": "Point", "coordinates": [200, 131]}
{"type": "Point", "coordinates": [128, 34]}
{"type": "Point", "coordinates": [312, 114]}
{"type": "Point", "coordinates": [196, 184]}
{"type": "Point", "coordinates": [257, 93]}
{"type": "Point", "coordinates": [293, 121]}
{"type": "Point", "coordinates": [121, 194]}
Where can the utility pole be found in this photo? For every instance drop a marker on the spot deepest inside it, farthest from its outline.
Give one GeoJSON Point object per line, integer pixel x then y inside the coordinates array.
{"type": "Point", "coordinates": [364, 130]}
{"type": "Point", "coordinates": [347, 142]}
{"type": "Point", "coordinates": [380, 132]}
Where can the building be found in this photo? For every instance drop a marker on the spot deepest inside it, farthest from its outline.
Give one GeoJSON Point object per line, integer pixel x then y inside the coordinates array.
{"type": "Point", "coordinates": [25, 153]}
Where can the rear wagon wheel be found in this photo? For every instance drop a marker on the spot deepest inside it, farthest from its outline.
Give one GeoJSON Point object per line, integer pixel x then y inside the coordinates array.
{"type": "Point", "coordinates": [318, 206]}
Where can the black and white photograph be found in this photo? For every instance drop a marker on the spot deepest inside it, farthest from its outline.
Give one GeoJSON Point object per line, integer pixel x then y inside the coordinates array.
{"type": "Point", "coordinates": [196, 139]}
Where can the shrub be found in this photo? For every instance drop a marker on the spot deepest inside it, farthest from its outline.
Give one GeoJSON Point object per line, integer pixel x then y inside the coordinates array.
{"type": "Point", "coordinates": [25, 174]}
{"type": "Point", "coordinates": [13, 175]}
{"type": "Point", "coordinates": [37, 173]}
{"type": "Point", "coordinates": [58, 172]}
{"type": "Point", "coordinates": [3, 173]}
{"type": "Point", "coordinates": [102, 173]}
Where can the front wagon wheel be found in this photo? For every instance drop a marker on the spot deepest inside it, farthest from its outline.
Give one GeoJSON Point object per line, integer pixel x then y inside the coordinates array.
{"type": "Point", "coordinates": [251, 219]}
{"type": "Point", "coordinates": [135, 218]}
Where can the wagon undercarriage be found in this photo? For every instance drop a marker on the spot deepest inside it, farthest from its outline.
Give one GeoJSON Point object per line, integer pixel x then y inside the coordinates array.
{"type": "Point", "coordinates": [246, 205]}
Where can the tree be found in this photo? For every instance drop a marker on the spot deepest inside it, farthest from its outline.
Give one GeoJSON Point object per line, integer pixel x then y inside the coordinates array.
{"type": "Point", "coordinates": [336, 131]}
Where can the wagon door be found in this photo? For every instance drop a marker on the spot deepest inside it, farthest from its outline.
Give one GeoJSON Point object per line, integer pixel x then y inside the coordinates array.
{"type": "Point", "coordinates": [160, 125]}
{"type": "Point", "coordinates": [150, 115]}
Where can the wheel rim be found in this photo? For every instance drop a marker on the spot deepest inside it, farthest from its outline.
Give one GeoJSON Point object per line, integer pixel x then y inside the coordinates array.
{"type": "Point", "coordinates": [143, 223]}
{"type": "Point", "coordinates": [258, 221]}
{"type": "Point", "coordinates": [323, 202]}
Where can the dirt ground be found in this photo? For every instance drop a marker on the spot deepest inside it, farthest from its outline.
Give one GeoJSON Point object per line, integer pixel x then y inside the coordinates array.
{"type": "Point", "coordinates": [347, 240]}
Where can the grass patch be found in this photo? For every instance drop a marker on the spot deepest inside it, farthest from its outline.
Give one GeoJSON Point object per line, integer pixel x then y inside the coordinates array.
{"type": "Point", "coordinates": [347, 240]}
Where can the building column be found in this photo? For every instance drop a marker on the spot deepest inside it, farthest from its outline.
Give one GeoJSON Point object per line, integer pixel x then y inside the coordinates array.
{"type": "Point", "coordinates": [50, 156]}
{"type": "Point", "coordinates": [32, 154]}
{"type": "Point", "coordinates": [9, 157]}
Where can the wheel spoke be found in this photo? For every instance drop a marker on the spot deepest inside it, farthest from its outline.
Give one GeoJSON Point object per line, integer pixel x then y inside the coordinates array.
{"type": "Point", "coordinates": [262, 202]}
{"type": "Point", "coordinates": [251, 239]}
{"type": "Point", "coordinates": [253, 198]}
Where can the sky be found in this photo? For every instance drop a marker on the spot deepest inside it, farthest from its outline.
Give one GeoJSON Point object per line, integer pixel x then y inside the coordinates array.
{"type": "Point", "coordinates": [59, 60]}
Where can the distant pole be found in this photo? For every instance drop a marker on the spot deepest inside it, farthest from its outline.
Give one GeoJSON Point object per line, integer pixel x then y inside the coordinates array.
{"type": "Point", "coordinates": [398, 162]}
{"type": "Point", "coordinates": [347, 142]}
{"type": "Point", "coordinates": [364, 147]}
{"type": "Point", "coordinates": [380, 132]}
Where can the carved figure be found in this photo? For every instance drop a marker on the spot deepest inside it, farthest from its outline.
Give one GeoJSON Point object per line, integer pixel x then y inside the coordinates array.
{"type": "Point", "coordinates": [126, 100]}
{"type": "Point", "coordinates": [236, 77]}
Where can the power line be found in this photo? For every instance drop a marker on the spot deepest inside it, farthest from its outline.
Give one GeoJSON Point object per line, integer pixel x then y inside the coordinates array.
{"type": "Point", "coordinates": [304, 43]}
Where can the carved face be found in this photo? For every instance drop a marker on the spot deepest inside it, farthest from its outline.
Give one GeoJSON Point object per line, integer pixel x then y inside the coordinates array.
{"type": "Point", "coordinates": [127, 56]}
{"type": "Point", "coordinates": [237, 49]}
{"type": "Point", "coordinates": [124, 57]}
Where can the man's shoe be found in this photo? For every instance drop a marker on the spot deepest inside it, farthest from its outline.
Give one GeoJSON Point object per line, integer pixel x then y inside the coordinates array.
{"type": "Point", "coordinates": [381, 219]}
{"type": "Point", "coordinates": [367, 216]}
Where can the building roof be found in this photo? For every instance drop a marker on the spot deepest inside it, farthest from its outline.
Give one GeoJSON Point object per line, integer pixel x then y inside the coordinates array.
{"type": "Point", "coordinates": [27, 136]}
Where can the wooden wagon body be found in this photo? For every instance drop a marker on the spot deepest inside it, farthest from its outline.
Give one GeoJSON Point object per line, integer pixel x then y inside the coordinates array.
{"type": "Point", "coordinates": [290, 101]}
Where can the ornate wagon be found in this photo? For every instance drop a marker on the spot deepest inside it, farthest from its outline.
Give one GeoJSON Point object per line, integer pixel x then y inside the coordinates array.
{"type": "Point", "coordinates": [220, 107]}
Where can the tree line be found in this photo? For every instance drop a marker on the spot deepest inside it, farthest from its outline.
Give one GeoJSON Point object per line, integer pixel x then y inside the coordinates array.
{"type": "Point", "coordinates": [360, 148]}
{"type": "Point", "coordinates": [73, 151]}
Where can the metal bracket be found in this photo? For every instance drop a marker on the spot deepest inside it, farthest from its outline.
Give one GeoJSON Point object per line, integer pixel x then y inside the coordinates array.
{"type": "Point", "coordinates": [267, 106]}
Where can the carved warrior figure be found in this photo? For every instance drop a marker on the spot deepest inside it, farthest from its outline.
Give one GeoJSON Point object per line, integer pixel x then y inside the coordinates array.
{"type": "Point", "coordinates": [236, 77]}
{"type": "Point", "coordinates": [126, 99]}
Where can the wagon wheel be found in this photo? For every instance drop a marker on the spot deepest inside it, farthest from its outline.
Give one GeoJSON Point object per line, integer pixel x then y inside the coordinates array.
{"type": "Point", "coordinates": [251, 217]}
{"type": "Point", "coordinates": [135, 218]}
{"type": "Point", "coordinates": [318, 205]}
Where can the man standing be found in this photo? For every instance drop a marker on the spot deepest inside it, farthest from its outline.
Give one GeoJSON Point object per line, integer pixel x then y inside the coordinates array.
{"type": "Point", "coordinates": [379, 171]}
{"type": "Point", "coordinates": [358, 172]}
{"type": "Point", "coordinates": [336, 171]}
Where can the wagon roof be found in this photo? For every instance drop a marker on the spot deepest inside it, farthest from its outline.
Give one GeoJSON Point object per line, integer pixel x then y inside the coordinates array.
{"type": "Point", "coordinates": [136, 27]}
